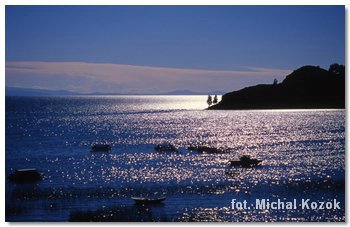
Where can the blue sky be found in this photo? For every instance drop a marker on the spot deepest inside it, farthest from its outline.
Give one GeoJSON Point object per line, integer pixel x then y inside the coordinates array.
{"type": "Point", "coordinates": [220, 43]}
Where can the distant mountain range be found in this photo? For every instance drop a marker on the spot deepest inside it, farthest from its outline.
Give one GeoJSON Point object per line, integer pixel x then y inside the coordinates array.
{"type": "Point", "coordinates": [305, 88]}
{"type": "Point", "coordinates": [188, 92]}
{"type": "Point", "coordinates": [15, 91]}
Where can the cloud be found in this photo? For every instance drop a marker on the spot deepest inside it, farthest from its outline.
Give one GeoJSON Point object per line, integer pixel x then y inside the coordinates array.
{"type": "Point", "coordinates": [97, 77]}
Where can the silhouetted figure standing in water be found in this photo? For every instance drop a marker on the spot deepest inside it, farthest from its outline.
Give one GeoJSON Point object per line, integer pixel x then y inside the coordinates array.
{"type": "Point", "coordinates": [215, 100]}
{"type": "Point", "coordinates": [275, 82]}
{"type": "Point", "coordinates": [209, 100]}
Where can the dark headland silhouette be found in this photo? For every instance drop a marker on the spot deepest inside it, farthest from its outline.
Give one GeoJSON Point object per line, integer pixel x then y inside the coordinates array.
{"type": "Point", "coordinates": [309, 87]}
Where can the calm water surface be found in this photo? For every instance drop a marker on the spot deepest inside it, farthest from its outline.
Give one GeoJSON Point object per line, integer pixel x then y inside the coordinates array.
{"type": "Point", "coordinates": [303, 153]}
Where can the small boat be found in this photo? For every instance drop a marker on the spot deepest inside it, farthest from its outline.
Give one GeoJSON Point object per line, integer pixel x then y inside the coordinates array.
{"type": "Point", "coordinates": [246, 161]}
{"type": "Point", "coordinates": [165, 147]}
{"type": "Point", "coordinates": [146, 200]}
{"type": "Point", "coordinates": [101, 147]}
{"type": "Point", "coordinates": [25, 176]}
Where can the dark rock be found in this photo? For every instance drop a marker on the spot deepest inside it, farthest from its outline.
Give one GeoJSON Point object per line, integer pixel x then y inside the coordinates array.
{"type": "Point", "coordinates": [309, 87]}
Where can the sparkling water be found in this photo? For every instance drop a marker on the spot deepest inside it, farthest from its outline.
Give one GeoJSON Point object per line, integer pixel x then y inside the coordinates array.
{"type": "Point", "coordinates": [303, 153]}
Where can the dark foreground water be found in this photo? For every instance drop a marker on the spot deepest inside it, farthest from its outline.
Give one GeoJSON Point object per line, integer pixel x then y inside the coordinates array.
{"type": "Point", "coordinates": [303, 153]}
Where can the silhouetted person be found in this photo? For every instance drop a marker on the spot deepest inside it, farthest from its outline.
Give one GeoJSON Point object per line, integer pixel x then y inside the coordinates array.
{"type": "Point", "coordinates": [215, 100]}
{"type": "Point", "coordinates": [209, 100]}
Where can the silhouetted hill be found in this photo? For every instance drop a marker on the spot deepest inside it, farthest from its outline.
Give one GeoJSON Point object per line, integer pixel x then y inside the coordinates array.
{"type": "Point", "coordinates": [307, 87]}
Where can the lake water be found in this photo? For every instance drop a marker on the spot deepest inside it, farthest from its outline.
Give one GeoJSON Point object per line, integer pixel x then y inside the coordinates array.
{"type": "Point", "coordinates": [303, 153]}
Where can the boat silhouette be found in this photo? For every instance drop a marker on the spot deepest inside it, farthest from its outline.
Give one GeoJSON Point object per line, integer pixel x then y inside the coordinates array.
{"type": "Point", "coordinates": [246, 161]}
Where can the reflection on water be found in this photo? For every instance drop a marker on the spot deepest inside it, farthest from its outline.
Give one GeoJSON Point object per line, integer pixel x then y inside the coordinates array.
{"type": "Point", "coordinates": [303, 153]}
